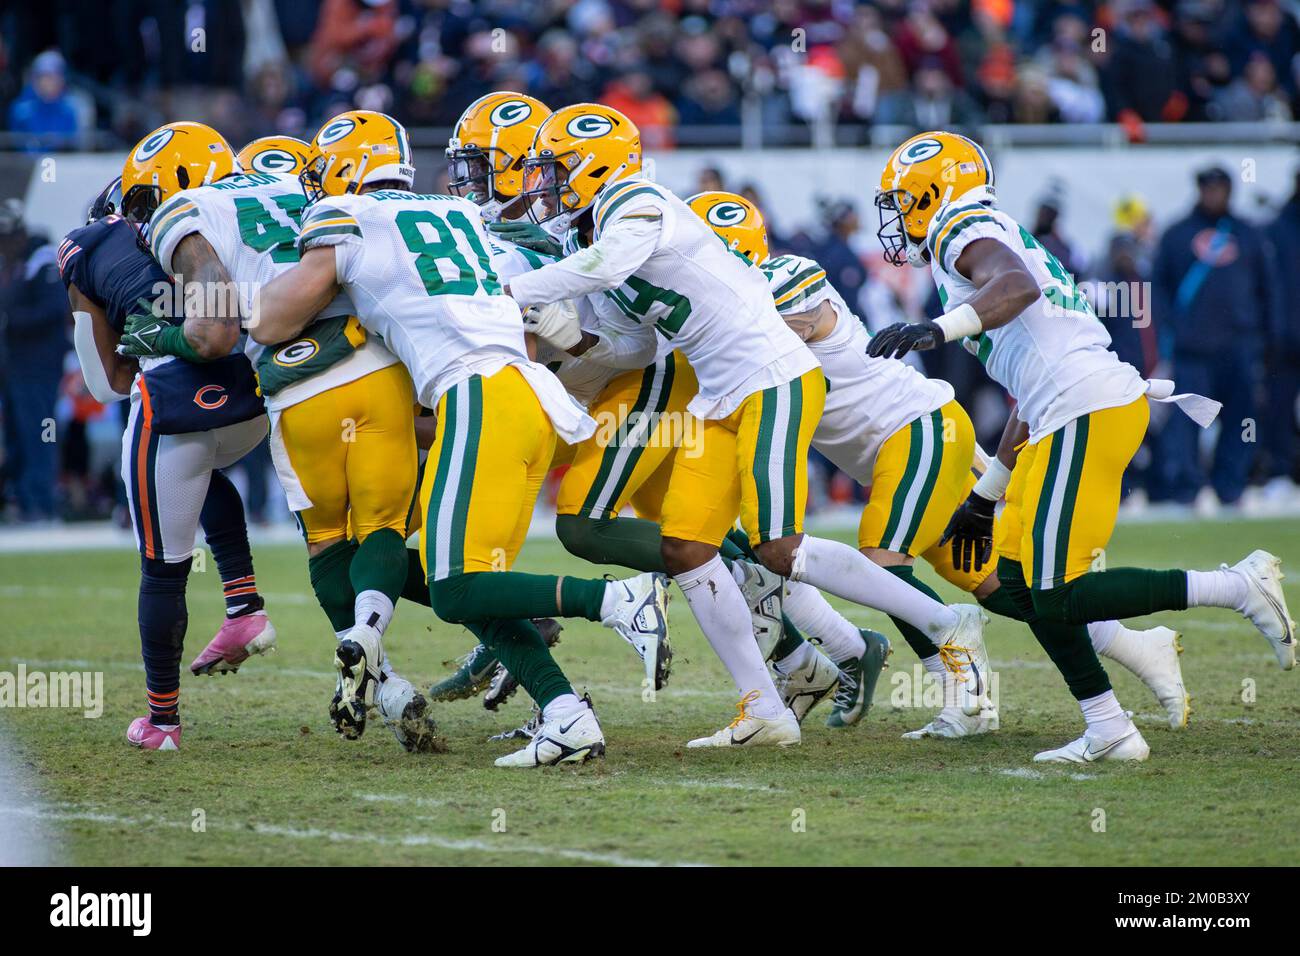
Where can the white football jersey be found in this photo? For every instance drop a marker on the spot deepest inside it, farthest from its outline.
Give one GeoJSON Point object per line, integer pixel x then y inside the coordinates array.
{"type": "Point", "coordinates": [1054, 358]}
{"type": "Point", "coordinates": [251, 221]}
{"type": "Point", "coordinates": [582, 379]}
{"type": "Point", "coordinates": [418, 270]}
{"type": "Point", "coordinates": [867, 399]}
{"type": "Point", "coordinates": [708, 302]}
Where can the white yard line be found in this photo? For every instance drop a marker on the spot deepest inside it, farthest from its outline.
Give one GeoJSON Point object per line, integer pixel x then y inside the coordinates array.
{"type": "Point", "coordinates": [503, 844]}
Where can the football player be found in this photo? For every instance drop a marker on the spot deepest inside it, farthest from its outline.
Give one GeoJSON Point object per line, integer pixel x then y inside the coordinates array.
{"type": "Point", "coordinates": [1081, 416]}
{"type": "Point", "coordinates": [188, 419]}
{"type": "Point", "coordinates": [760, 394]}
{"type": "Point", "coordinates": [644, 423]}
{"type": "Point", "coordinates": [418, 271]}
{"type": "Point", "coordinates": [341, 405]}
{"type": "Point", "coordinates": [905, 437]}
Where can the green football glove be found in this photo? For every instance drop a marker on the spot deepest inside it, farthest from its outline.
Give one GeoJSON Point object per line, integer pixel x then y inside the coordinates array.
{"type": "Point", "coordinates": [147, 336]}
{"type": "Point", "coordinates": [527, 234]}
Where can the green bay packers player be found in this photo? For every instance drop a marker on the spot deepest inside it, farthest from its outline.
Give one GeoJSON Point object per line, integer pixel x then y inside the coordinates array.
{"type": "Point", "coordinates": [418, 272]}
{"type": "Point", "coordinates": [906, 438]}
{"type": "Point", "coordinates": [1080, 417]}
{"type": "Point", "coordinates": [760, 394]}
{"type": "Point", "coordinates": [285, 155]}
{"type": "Point", "coordinates": [341, 407]}
{"type": "Point", "coordinates": [641, 411]}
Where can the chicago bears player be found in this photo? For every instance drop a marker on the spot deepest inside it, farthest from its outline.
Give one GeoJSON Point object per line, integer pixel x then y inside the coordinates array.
{"type": "Point", "coordinates": [188, 420]}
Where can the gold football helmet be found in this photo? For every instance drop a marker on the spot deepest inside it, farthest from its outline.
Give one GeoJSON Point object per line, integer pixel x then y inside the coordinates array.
{"type": "Point", "coordinates": [577, 152]}
{"type": "Point", "coordinates": [274, 154]}
{"type": "Point", "coordinates": [922, 176]}
{"type": "Point", "coordinates": [355, 149]}
{"type": "Point", "coordinates": [736, 220]}
{"type": "Point", "coordinates": [172, 158]}
{"type": "Point", "coordinates": [485, 157]}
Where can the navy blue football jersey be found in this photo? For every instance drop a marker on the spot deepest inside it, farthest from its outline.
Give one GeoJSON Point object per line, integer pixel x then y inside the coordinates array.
{"type": "Point", "coordinates": [105, 261]}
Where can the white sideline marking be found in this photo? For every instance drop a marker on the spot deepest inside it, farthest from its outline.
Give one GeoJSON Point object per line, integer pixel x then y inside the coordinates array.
{"type": "Point", "coordinates": [75, 814]}
{"type": "Point", "coordinates": [28, 842]}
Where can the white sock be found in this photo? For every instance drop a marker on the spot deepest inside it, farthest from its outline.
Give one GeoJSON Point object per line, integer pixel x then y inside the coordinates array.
{"type": "Point", "coordinates": [795, 660]}
{"type": "Point", "coordinates": [850, 574]}
{"type": "Point", "coordinates": [1222, 588]}
{"type": "Point", "coordinates": [561, 706]}
{"type": "Point", "coordinates": [934, 665]}
{"type": "Point", "coordinates": [613, 594]}
{"type": "Point", "coordinates": [373, 609]}
{"type": "Point", "coordinates": [813, 614]}
{"type": "Point", "coordinates": [1105, 717]}
{"type": "Point", "coordinates": [1102, 634]}
{"type": "Point", "coordinates": [720, 609]}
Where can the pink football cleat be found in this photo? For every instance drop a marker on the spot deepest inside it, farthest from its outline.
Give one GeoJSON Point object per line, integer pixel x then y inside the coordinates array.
{"type": "Point", "coordinates": [149, 736]}
{"type": "Point", "coordinates": [238, 638]}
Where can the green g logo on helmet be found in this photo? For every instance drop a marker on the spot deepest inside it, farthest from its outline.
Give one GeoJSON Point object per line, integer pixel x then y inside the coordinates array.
{"type": "Point", "coordinates": [589, 126]}
{"type": "Point", "coordinates": [152, 146]}
{"type": "Point", "coordinates": [335, 131]}
{"type": "Point", "coordinates": [273, 160]}
{"type": "Point", "coordinates": [726, 213]}
{"type": "Point", "coordinates": [510, 113]}
{"type": "Point", "coordinates": [920, 151]}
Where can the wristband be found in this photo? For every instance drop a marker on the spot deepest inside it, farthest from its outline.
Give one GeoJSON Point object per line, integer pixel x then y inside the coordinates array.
{"type": "Point", "coordinates": [993, 483]}
{"type": "Point", "coordinates": [172, 341]}
{"type": "Point", "coordinates": [959, 323]}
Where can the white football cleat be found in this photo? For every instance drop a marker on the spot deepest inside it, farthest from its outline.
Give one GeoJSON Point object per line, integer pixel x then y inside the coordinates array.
{"type": "Point", "coordinates": [574, 738]}
{"type": "Point", "coordinates": [951, 722]}
{"type": "Point", "coordinates": [405, 713]}
{"type": "Point", "coordinates": [1152, 656]}
{"type": "Point", "coordinates": [359, 660]}
{"type": "Point", "coordinates": [1127, 746]}
{"type": "Point", "coordinates": [962, 652]}
{"type": "Point", "coordinates": [641, 618]}
{"type": "Point", "coordinates": [764, 593]}
{"type": "Point", "coordinates": [748, 730]}
{"type": "Point", "coordinates": [804, 688]}
{"type": "Point", "coordinates": [1266, 604]}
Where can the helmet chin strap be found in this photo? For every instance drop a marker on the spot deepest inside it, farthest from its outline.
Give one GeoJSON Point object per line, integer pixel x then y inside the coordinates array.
{"type": "Point", "coordinates": [491, 210]}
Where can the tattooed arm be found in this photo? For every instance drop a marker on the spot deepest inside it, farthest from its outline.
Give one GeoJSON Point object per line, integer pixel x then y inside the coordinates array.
{"type": "Point", "coordinates": [212, 319]}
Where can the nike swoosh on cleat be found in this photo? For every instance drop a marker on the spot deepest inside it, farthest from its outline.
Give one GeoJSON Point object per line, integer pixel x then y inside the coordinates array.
{"type": "Point", "coordinates": [565, 730]}
{"type": "Point", "coordinates": [738, 741]}
{"type": "Point", "coordinates": [1089, 754]}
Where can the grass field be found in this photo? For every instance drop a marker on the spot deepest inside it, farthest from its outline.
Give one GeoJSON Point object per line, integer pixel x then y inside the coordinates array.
{"type": "Point", "coordinates": [272, 784]}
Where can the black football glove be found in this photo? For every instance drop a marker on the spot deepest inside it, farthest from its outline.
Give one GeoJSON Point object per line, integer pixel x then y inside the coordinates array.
{"type": "Point", "coordinates": [971, 533]}
{"type": "Point", "coordinates": [903, 337]}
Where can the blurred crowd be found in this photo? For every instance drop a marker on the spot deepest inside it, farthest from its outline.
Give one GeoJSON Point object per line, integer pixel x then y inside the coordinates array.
{"type": "Point", "coordinates": [254, 67]}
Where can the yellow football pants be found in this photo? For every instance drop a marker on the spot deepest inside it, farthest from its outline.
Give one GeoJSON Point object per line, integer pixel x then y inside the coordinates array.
{"type": "Point", "coordinates": [753, 463]}
{"type": "Point", "coordinates": [352, 449]}
{"type": "Point", "coordinates": [1063, 496]}
{"type": "Point", "coordinates": [641, 420]}
{"type": "Point", "coordinates": [493, 450]}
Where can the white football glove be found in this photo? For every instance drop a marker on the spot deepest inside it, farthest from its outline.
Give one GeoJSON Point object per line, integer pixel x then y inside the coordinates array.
{"type": "Point", "coordinates": [555, 323]}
